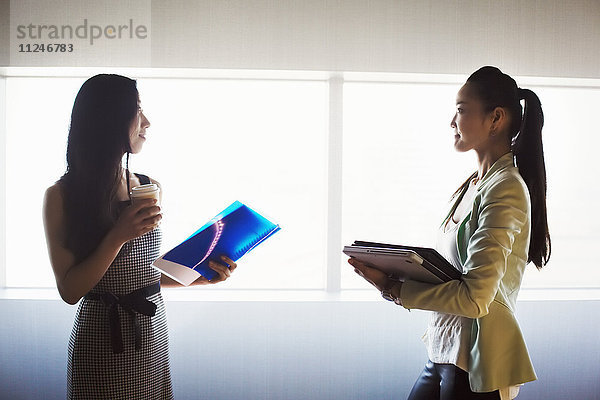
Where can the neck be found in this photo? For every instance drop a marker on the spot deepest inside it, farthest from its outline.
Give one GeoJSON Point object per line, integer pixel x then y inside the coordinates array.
{"type": "Point", "coordinates": [485, 159]}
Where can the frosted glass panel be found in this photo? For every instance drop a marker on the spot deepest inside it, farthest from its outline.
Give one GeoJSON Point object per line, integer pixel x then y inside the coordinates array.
{"type": "Point", "coordinates": [211, 142]}
{"type": "Point", "coordinates": [38, 114]}
{"type": "Point", "coordinates": [400, 169]}
{"type": "Point", "coordinates": [571, 143]}
{"type": "Point", "coordinates": [265, 143]}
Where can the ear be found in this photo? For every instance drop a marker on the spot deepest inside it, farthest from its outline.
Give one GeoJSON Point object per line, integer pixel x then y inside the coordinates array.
{"type": "Point", "coordinates": [499, 120]}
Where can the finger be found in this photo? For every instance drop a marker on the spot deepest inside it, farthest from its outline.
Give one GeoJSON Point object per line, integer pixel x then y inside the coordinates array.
{"type": "Point", "coordinates": [153, 220]}
{"type": "Point", "coordinates": [149, 211]}
{"type": "Point", "coordinates": [355, 263]}
{"type": "Point", "coordinates": [200, 281]}
{"type": "Point", "coordinates": [230, 262]}
{"type": "Point", "coordinates": [142, 203]}
{"type": "Point", "coordinates": [216, 279]}
{"type": "Point", "coordinates": [146, 229]}
{"type": "Point", "coordinates": [360, 273]}
{"type": "Point", "coordinates": [220, 269]}
{"type": "Point", "coordinates": [150, 224]}
{"type": "Point", "coordinates": [141, 213]}
{"type": "Point", "coordinates": [360, 266]}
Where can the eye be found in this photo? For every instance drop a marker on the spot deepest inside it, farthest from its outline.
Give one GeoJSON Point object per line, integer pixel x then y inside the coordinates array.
{"type": "Point", "coordinates": [460, 110]}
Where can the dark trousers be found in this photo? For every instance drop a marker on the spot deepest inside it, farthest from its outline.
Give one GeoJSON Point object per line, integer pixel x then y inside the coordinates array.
{"type": "Point", "coordinates": [446, 382]}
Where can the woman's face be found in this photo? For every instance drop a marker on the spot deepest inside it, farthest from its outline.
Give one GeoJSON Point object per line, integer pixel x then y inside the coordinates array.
{"type": "Point", "coordinates": [470, 123]}
{"type": "Point", "coordinates": [137, 130]}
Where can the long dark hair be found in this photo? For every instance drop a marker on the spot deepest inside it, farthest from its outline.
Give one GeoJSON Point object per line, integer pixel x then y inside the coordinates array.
{"type": "Point", "coordinates": [98, 139]}
{"type": "Point", "coordinates": [496, 89]}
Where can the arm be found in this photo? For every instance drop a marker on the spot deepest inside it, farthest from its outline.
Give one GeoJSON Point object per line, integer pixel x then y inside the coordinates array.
{"type": "Point", "coordinates": [75, 279]}
{"type": "Point", "coordinates": [503, 213]}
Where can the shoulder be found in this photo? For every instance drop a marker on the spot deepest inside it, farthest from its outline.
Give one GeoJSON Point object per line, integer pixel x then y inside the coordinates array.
{"type": "Point", "coordinates": [53, 197]}
{"type": "Point", "coordinates": [506, 182]}
{"type": "Point", "coordinates": [506, 193]}
{"type": "Point", "coordinates": [53, 210]}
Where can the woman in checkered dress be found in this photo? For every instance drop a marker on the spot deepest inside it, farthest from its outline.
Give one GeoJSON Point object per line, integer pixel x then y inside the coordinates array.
{"type": "Point", "coordinates": [101, 249]}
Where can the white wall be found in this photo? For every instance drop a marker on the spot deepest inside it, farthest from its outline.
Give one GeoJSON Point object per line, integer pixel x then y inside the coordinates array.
{"type": "Point", "coordinates": [523, 37]}
{"type": "Point", "coordinates": [542, 38]}
{"type": "Point", "coordinates": [4, 32]}
{"type": "Point", "coordinates": [299, 350]}
{"type": "Point", "coordinates": [2, 181]}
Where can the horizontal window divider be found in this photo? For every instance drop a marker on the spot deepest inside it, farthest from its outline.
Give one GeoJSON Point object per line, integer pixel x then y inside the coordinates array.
{"type": "Point", "coordinates": [292, 75]}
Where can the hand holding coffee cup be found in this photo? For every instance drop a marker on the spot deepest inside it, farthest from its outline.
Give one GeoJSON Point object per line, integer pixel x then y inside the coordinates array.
{"type": "Point", "coordinates": [147, 191]}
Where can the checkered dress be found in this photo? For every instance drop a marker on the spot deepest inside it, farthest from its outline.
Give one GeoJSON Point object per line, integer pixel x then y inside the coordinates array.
{"type": "Point", "coordinates": [94, 371]}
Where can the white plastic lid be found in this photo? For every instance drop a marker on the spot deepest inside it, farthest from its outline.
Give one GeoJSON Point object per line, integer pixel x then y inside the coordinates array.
{"type": "Point", "coordinates": [143, 189]}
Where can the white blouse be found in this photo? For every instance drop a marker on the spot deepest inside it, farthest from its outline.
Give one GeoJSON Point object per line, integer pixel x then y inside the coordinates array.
{"type": "Point", "coordinates": [448, 337]}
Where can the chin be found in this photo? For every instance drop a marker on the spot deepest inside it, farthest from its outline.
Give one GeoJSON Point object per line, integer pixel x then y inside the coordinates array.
{"type": "Point", "coordinates": [136, 149]}
{"type": "Point", "coordinates": [460, 148]}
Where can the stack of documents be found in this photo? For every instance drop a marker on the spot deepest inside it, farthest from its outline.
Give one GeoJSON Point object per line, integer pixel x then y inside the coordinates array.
{"type": "Point", "coordinates": [404, 262]}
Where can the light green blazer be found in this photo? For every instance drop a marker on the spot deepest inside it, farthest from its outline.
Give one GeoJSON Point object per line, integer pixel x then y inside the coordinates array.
{"type": "Point", "coordinates": [493, 243]}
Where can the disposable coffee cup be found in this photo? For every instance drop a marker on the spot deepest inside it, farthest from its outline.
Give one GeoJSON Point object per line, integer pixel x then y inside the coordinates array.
{"type": "Point", "coordinates": [149, 191]}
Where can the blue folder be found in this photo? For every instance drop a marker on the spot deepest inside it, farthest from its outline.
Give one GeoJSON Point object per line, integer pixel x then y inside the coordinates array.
{"type": "Point", "coordinates": [232, 233]}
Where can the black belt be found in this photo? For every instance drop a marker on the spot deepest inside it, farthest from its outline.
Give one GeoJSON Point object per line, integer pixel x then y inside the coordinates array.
{"type": "Point", "coordinates": [134, 303]}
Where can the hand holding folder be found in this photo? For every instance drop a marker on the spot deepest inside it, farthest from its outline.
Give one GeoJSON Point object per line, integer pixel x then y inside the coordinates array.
{"type": "Point", "coordinates": [404, 262]}
{"type": "Point", "coordinates": [232, 233]}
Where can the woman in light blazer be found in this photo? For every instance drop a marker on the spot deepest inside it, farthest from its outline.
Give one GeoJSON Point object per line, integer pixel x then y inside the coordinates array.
{"type": "Point", "coordinates": [496, 225]}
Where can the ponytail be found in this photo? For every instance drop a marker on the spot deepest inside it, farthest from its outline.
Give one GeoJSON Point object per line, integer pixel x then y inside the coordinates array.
{"type": "Point", "coordinates": [529, 157]}
{"type": "Point", "coordinates": [496, 89]}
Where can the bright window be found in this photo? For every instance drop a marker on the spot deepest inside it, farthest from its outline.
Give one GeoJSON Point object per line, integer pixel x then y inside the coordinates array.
{"type": "Point", "coordinates": [211, 142]}
{"type": "Point", "coordinates": [571, 144]}
{"type": "Point", "coordinates": [400, 170]}
{"type": "Point", "coordinates": [265, 142]}
{"type": "Point", "coordinates": [399, 164]}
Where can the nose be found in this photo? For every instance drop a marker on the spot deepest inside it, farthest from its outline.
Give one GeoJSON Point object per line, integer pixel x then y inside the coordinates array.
{"type": "Point", "coordinates": [453, 122]}
{"type": "Point", "coordinates": [145, 122]}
